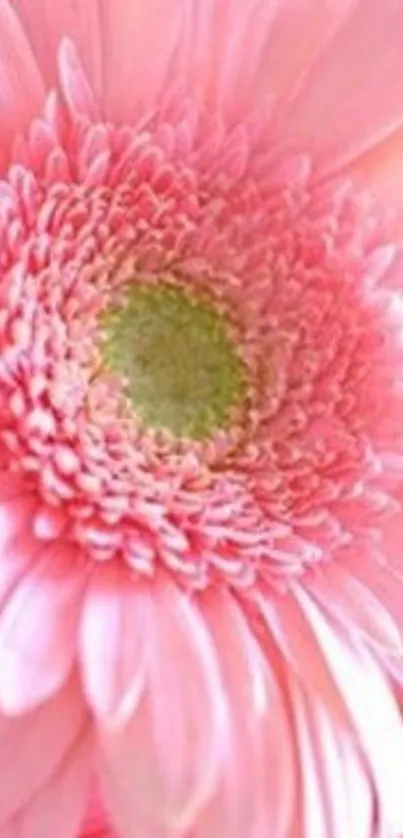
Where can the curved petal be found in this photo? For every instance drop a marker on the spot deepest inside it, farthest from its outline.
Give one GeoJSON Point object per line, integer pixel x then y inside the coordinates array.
{"type": "Point", "coordinates": [64, 19]}
{"type": "Point", "coordinates": [113, 641]}
{"type": "Point", "coordinates": [166, 760]}
{"type": "Point", "coordinates": [371, 706]}
{"type": "Point", "coordinates": [256, 792]}
{"type": "Point", "coordinates": [215, 40]}
{"type": "Point", "coordinates": [336, 793]}
{"type": "Point", "coordinates": [17, 546]}
{"type": "Point", "coordinates": [58, 808]}
{"type": "Point", "coordinates": [76, 89]}
{"type": "Point", "coordinates": [384, 582]}
{"type": "Point", "coordinates": [138, 41]}
{"type": "Point", "coordinates": [354, 606]}
{"type": "Point", "coordinates": [300, 32]}
{"type": "Point", "coordinates": [21, 89]}
{"type": "Point", "coordinates": [352, 97]}
{"type": "Point", "coordinates": [246, 57]}
{"type": "Point", "coordinates": [34, 746]}
{"type": "Point", "coordinates": [38, 624]}
{"type": "Point", "coordinates": [381, 168]}
{"type": "Point", "coordinates": [128, 821]}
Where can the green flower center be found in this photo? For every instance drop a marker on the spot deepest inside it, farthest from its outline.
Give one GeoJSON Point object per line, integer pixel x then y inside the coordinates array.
{"type": "Point", "coordinates": [180, 365]}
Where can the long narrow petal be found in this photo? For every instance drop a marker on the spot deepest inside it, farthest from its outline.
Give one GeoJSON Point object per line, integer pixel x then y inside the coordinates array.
{"type": "Point", "coordinates": [371, 707]}
{"type": "Point", "coordinates": [336, 794]}
{"type": "Point", "coordinates": [381, 168]}
{"type": "Point", "coordinates": [56, 21]}
{"type": "Point", "coordinates": [17, 546]}
{"type": "Point", "coordinates": [280, 38]}
{"type": "Point", "coordinates": [57, 809]}
{"type": "Point", "coordinates": [21, 88]}
{"type": "Point", "coordinates": [355, 607]}
{"type": "Point", "coordinates": [256, 793]}
{"type": "Point", "coordinates": [352, 98]}
{"type": "Point", "coordinates": [113, 640]}
{"type": "Point", "coordinates": [38, 625]}
{"type": "Point", "coordinates": [138, 40]}
{"type": "Point", "coordinates": [300, 33]}
{"type": "Point", "coordinates": [166, 760]}
{"type": "Point", "coordinates": [128, 821]}
{"type": "Point", "coordinates": [215, 38]}
{"type": "Point", "coordinates": [34, 746]}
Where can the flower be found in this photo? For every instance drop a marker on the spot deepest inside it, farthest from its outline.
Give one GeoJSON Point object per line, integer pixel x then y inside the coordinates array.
{"type": "Point", "coordinates": [201, 444]}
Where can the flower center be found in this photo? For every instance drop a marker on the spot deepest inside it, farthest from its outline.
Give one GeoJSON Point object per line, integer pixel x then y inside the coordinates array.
{"type": "Point", "coordinates": [179, 363]}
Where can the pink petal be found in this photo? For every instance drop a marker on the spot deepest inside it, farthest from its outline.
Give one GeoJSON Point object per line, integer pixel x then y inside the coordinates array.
{"type": "Point", "coordinates": [350, 100]}
{"type": "Point", "coordinates": [381, 168]}
{"type": "Point", "coordinates": [353, 605]}
{"type": "Point", "coordinates": [58, 20]}
{"type": "Point", "coordinates": [166, 760]}
{"type": "Point", "coordinates": [387, 588]}
{"type": "Point", "coordinates": [336, 793]}
{"type": "Point", "coordinates": [130, 820]}
{"type": "Point", "coordinates": [255, 795]}
{"type": "Point", "coordinates": [38, 630]}
{"type": "Point", "coordinates": [21, 89]}
{"type": "Point", "coordinates": [280, 38]}
{"type": "Point", "coordinates": [300, 32]}
{"type": "Point", "coordinates": [17, 546]}
{"type": "Point", "coordinates": [113, 642]}
{"type": "Point", "coordinates": [34, 746]}
{"type": "Point", "coordinates": [58, 808]}
{"type": "Point", "coordinates": [139, 39]}
{"type": "Point", "coordinates": [288, 628]}
{"type": "Point", "coordinates": [371, 707]}
{"type": "Point", "coordinates": [75, 87]}
{"type": "Point", "coordinates": [215, 39]}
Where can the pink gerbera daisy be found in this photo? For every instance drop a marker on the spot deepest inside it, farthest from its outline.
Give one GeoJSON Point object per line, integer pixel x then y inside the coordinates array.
{"type": "Point", "coordinates": [201, 418]}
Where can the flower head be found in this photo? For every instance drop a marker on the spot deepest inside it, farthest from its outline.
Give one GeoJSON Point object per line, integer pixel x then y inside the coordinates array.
{"type": "Point", "coordinates": [201, 443]}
